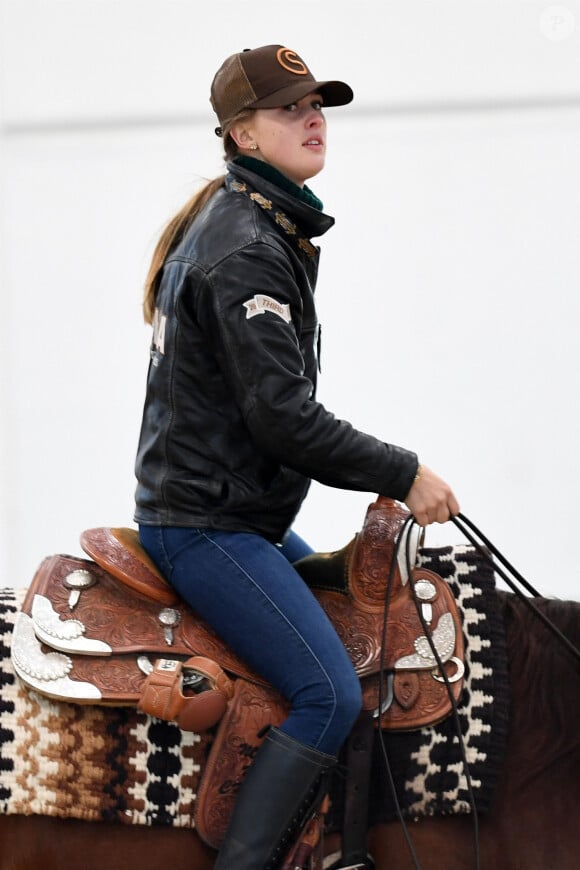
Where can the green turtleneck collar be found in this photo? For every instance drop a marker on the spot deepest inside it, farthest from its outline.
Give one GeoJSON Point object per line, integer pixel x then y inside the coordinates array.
{"type": "Point", "coordinates": [270, 173]}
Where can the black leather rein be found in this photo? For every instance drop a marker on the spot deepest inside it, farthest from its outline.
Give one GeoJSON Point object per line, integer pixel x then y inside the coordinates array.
{"type": "Point", "coordinates": [492, 556]}
{"type": "Point", "coordinates": [489, 551]}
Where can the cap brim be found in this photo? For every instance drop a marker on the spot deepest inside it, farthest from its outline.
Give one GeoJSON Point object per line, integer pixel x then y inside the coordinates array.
{"type": "Point", "coordinates": [333, 94]}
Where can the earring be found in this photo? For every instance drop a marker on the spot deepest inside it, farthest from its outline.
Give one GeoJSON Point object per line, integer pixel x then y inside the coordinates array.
{"type": "Point", "coordinates": [253, 147]}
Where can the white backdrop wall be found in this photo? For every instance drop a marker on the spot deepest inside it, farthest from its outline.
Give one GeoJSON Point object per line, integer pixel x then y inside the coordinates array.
{"type": "Point", "coordinates": [448, 290]}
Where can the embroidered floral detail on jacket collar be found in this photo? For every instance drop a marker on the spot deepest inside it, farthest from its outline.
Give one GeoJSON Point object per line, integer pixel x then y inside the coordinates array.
{"type": "Point", "coordinates": [285, 223]}
{"type": "Point", "coordinates": [281, 219]}
{"type": "Point", "coordinates": [261, 200]}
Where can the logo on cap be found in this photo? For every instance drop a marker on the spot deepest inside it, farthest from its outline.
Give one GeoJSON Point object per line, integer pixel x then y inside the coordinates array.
{"type": "Point", "coordinates": [291, 62]}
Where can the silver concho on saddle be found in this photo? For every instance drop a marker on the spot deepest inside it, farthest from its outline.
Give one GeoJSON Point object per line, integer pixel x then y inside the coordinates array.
{"type": "Point", "coordinates": [111, 630]}
{"type": "Point", "coordinates": [351, 585]}
{"type": "Point", "coordinates": [85, 637]}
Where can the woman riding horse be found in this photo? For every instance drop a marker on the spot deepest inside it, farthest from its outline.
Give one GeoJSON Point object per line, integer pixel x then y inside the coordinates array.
{"type": "Point", "coordinates": [232, 433]}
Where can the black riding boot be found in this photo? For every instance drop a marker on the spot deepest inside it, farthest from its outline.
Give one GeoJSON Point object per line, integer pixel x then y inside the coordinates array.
{"type": "Point", "coordinates": [279, 791]}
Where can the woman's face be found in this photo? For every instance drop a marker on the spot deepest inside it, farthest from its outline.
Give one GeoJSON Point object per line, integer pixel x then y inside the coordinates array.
{"type": "Point", "coordinates": [291, 138]}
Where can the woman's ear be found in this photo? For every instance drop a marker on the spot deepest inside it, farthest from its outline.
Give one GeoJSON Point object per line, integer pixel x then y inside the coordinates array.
{"type": "Point", "coordinates": [242, 137]}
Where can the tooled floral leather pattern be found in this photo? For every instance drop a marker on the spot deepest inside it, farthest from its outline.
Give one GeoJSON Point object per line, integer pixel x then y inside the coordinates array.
{"type": "Point", "coordinates": [130, 624]}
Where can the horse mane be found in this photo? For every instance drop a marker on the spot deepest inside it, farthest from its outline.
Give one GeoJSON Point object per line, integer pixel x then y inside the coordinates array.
{"type": "Point", "coordinates": [544, 674]}
{"type": "Point", "coordinates": [526, 631]}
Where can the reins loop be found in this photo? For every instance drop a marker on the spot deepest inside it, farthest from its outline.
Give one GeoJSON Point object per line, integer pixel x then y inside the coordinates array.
{"type": "Point", "coordinates": [489, 551]}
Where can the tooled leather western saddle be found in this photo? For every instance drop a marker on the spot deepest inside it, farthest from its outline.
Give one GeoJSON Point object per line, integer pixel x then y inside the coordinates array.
{"type": "Point", "coordinates": [111, 630]}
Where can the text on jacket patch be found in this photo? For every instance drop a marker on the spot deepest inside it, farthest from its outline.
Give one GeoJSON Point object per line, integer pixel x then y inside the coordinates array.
{"type": "Point", "coordinates": [158, 342]}
{"type": "Point", "coordinates": [260, 304]}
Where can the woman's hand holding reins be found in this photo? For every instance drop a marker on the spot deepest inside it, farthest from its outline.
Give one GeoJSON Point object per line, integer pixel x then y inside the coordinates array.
{"type": "Point", "coordinates": [430, 499]}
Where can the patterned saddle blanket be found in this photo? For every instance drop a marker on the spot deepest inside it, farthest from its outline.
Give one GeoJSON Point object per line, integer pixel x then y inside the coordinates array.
{"type": "Point", "coordinates": [118, 764]}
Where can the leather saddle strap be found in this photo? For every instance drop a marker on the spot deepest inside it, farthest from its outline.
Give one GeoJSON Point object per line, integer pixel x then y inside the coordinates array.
{"type": "Point", "coordinates": [359, 753]}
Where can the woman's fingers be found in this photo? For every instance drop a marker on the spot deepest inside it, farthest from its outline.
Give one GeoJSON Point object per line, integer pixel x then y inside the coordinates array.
{"type": "Point", "coordinates": [431, 499]}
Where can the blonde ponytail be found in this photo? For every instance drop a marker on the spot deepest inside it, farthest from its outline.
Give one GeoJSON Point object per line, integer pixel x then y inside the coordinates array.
{"type": "Point", "coordinates": [180, 223]}
{"type": "Point", "coordinates": [170, 238]}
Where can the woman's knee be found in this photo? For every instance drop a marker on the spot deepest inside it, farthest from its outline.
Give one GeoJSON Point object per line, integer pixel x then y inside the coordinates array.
{"type": "Point", "coordinates": [338, 717]}
{"type": "Point", "coordinates": [339, 704]}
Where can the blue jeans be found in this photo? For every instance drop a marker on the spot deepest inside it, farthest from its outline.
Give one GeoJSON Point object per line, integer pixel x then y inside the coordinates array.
{"type": "Point", "coordinates": [247, 590]}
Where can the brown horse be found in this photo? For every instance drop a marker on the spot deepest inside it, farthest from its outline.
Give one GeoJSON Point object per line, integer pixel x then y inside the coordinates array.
{"type": "Point", "coordinates": [532, 823]}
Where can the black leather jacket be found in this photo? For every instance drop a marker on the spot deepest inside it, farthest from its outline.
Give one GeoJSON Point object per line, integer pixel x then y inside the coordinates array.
{"type": "Point", "coordinates": [232, 433]}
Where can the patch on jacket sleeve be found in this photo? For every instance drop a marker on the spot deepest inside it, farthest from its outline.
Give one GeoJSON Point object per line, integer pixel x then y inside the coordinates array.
{"type": "Point", "coordinates": [260, 304]}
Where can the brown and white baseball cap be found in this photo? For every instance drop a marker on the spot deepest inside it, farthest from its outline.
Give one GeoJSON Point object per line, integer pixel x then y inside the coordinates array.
{"type": "Point", "coordinates": [266, 78]}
